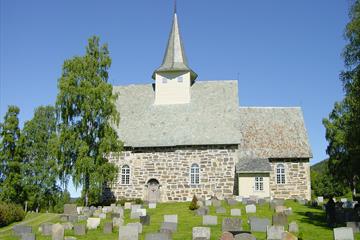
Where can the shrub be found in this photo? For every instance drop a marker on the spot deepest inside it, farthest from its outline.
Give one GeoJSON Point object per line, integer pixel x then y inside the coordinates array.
{"type": "Point", "coordinates": [193, 205]}
{"type": "Point", "coordinates": [9, 213]}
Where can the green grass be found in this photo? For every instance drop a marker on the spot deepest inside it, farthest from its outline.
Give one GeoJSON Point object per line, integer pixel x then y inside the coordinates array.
{"type": "Point", "coordinates": [312, 229]}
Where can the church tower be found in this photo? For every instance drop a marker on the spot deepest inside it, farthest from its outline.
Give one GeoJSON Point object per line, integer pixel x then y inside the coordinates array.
{"type": "Point", "coordinates": [174, 77]}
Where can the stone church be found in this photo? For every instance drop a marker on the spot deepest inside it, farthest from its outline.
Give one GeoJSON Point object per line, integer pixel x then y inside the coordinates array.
{"type": "Point", "coordinates": [183, 137]}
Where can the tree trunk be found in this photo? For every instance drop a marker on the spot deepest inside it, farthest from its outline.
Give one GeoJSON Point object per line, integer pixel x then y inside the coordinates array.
{"type": "Point", "coordinates": [86, 189]}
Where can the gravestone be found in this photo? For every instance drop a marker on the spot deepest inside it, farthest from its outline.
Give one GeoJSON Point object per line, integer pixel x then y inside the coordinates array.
{"type": "Point", "coordinates": [46, 229]}
{"type": "Point", "coordinates": [80, 229]}
{"type": "Point", "coordinates": [73, 218]}
{"type": "Point", "coordinates": [250, 208]}
{"type": "Point", "coordinates": [288, 236]}
{"type": "Point", "coordinates": [201, 233]}
{"type": "Point", "coordinates": [158, 236]}
{"type": "Point", "coordinates": [70, 209]}
{"type": "Point", "coordinates": [136, 224]}
{"type": "Point", "coordinates": [245, 201]}
{"type": "Point", "coordinates": [145, 220]}
{"type": "Point", "coordinates": [232, 225]}
{"type": "Point", "coordinates": [202, 211]}
{"type": "Point", "coordinates": [64, 217]}
{"type": "Point", "coordinates": [135, 215]}
{"type": "Point", "coordinates": [235, 212]}
{"type": "Point", "coordinates": [127, 205]}
{"type": "Point", "coordinates": [67, 226]}
{"type": "Point", "coordinates": [128, 233]}
{"type": "Point", "coordinates": [135, 207]}
{"type": "Point", "coordinates": [320, 199]}
{"type": "Point", "coordinates": [21, 229]}
{"type": "Point", "coordinates": [239, 198]}
{"type": "Point", "coordinates": [118, 210]}
{"type": "Point", "coordinates": [288, 211]}
{"type": "Point", "coordinates": [142, 211]}
{"type": "Point", "coordinates": [57, 232]}
{"type": "Point", "coordinates": [209, 220]}
{"type": "Point", "coordinates": [108, 227]}
{"type": "Point", "coordinates": [208, 203]}
{"type": "Point", "coordinates": [274, 232]}
{"type": "Point", "coordinates": [280, 209]}
{"type": "Point", "coordinates": [92, 223]}
{"type": "Point", "coordinates": [244, 236]}
{"type": "Point", "coordinates": [293, 227]}
{"type": "Point", "coordinates": [117, 222]}
{"type": "Point", "coordinates": [276, 202]}
{"type": "Point", "coordinates": [168, 227]}
{"type": "Point", "coordinates": [231, 201]}
{"type": "Point", "coordinates": [28, 236]}
{"type": "Point", "coordinates": [79, 210]}
{"type": "Point", "coordinates": [220, 210]}
{"type": "Point", "coordinates": [216, 203]}
{"type": "Point", "coordinates": [82, 218]}
{"type": "Point", "coordinates": [259, 224]}
{"type": "Point", "coordinates": [343, 233]}
{"type": "Point", "coordinates": [116, 215]}
{"type": "Point", "coordinates": [70, 238]}
{"type": "Point", "coordinates": [102, 215]}
{"type": "Point", "coordinates": [152, 205]}
{"type": "Point", "coordinates": [227, 236]}
{"type": "Point", "coordinates": [354, 225]}
{"type": "Point", "coordinates": [200, 203]}
{"type": "Point", "coordinates": [279, 219]}
{"type": "Point", "coordinates": [171, 218]}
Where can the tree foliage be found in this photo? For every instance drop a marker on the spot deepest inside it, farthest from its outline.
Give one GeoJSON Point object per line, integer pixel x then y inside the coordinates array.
{"type": "Point", "coordinates": [11, 157]}
{"type": "Point", "coordinates": [85, 110]}
{"type": "Point", "coordinates": [343, 124]}
{"type": "Point", "coordinates": [40, 164]}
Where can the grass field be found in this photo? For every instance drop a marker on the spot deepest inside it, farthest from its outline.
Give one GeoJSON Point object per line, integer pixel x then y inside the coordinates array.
{"type": "Point", "coordinates": [311, 229]}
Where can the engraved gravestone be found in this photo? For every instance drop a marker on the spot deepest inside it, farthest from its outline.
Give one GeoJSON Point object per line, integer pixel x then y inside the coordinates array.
{"type": "Point", "coordinates": [128, 233]}
{"type": "Point", "coordinates": [343, 233]}
{"type": "Point", "coordinates": [80, 229]}
{"type": "Point", "coordinates": [244, 236]}
{"type": "Point", "coordinates": [201, 233]}
{"type": "Point", "coordinates": [209, 220]}
{"type": "Point", "coordinates": [259, 224]}
{"type": "Point", "coordinates": [274, 232]}
{"type": "Point", "coordinates": [232, 225]}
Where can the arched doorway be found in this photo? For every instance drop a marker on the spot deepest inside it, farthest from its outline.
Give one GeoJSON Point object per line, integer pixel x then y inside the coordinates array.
{"type": "Point", "coordinates": [153, 186]}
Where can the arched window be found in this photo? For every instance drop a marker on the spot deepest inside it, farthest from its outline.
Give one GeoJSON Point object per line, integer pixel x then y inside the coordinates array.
{"type": "Point", "coordinates": [280, 174]}
{"type": "Point", "coordinates": [195, 174]}
{"type": "Point", "coordinates": [125, 175]}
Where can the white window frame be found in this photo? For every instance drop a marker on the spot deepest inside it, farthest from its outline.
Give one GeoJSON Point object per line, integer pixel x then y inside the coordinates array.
{"type": "Point", "coordinates": [195, 174]}
{"type": "Point", "coordinates": [125, 175]}
{"type": "Point", "coordinates": [280, 174]}
{"type": "Point", "coordinates": [259, 183]}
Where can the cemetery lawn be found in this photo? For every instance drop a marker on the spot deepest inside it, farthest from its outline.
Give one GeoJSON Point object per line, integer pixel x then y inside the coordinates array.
{"type": "Point", "coordinates": [312, 226]}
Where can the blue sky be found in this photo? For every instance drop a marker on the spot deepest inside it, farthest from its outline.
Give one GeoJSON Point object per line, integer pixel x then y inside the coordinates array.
{"type": "Point", "coordinates": [285, 53]}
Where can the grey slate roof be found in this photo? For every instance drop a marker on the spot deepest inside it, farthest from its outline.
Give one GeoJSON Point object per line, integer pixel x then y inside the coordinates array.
{"type": "Point", "coordinates": [253, 165]}
{"type": "Point", "coordinates": [210, 117]}
{"type": "Point", "coordinates": [175, 59]}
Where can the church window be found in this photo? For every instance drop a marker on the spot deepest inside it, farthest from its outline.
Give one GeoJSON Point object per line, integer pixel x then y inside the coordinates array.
{"type": "Point", "coordinates": [259, 184]}
{"type": "Point", "coordinates": [180, 79]}
{"type": "Point", "coordinates": [125, 175]}
{"type": "Point", "coordinates": [195, 174]}
{"type": "Point", "coordinates": [164, 80]}
{"type": "Point", "coordinates": [280, 174]}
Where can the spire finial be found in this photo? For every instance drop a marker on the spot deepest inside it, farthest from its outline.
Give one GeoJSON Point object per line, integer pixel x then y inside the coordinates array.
{"type": "Point", "coordinates": [174, 6]}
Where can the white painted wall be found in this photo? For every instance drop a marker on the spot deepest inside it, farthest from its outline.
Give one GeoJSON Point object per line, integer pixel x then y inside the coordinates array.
{"type": "Point", "coordinates": [247, 185]}
{"type": "Point", "coordinates": [169, 90]}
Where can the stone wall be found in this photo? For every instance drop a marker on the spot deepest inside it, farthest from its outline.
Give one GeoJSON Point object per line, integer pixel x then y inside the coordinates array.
{"type": "Point", "coordinates": [171, 167]}
{"type": "Point", "coordinates": [297, 179]}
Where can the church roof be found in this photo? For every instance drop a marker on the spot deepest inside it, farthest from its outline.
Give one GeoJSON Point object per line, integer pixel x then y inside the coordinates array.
{"type": "Point", "coordinates": [210, 118]}
{"type": "Point", "coordinates": [246, 165]}
{"type": "Point", "coordinates": [175, 59]}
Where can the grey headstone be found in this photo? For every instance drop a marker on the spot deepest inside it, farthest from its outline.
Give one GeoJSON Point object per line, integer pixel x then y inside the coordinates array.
{"type": "Point", "coordinates": [232, 225]}
{"type": "Point", "coordinates": [259, 224]}
{"type": "Point", "coordinates": [209, 220]}
{"type": "Point", "coordinates": [127, 205]}
{"type": "Point", "coordinates": [168, 226]}
{"type": "Point", "coordinates": [64, 217]}
{"type": "Point", "coordinates": [245, 201]}
{"type": "Point", "coordinates": [354, 225]}
{"type": "Point", "coordinates": [231, 201]}
{"type": "Point", "coordinates": [117, 222]}
{"type": "Point", "coordinates": [261, 201]}
{"type": "Point", "coordinates": [158, 236]}
{"type": "Point", "coordinates": [142, 211]}
{"type": "Point", "coordinates": [145, 220]}
{"type": "Point", "coordinates": [70, 209]}
{"type": "Point", "coordinates": [135, 207]}
{"type": "Point", "coordinates": [28, 236]}
{"type": "Point", "coordinates": [201, 233]}
{"type": "Point", "coordinates": [208, 203]}
{"type": "Point", "coordinates": [244, 236]}
{"type": "Point", "coordinates": [116, 215]}
{"type": "Point", "coordinates": [67, 225]}
{"type": "Point", "coordinates": [57, 232]}
{"type": "Point", "coordinates": [280, 209]}
{"type": "Point", "coordinates": [108, 226]}
{"type": "Point", "coordinates": [92, 223]}
{"type": "Point", "coordinates": [202, 211]}
{"type": "Point", "coordinates": [343, 233]}
{"type": "Point", "coordinates": [46, 229]}
{"type": "Point", "coordinates": [274, 232]}
{"type": "Point", "coordinates": [320, 199]}
{"type": "Point", "coordinates": [82, 218]}
{"type": "Point", "coordinates": [216, 203]}
{"type": "Point", "coordinates": [128, 233]}
{"type": "Point", "coordinates": [293, 227]}
{"type": "Point", "coordinates": [73, 218]}
{"type": "Point", "coordinates": [135, 215]}
{"type": "Point", "coordinates": [21, 229]}
{"type": "Point", "coordinates": [251, 208]}
{"type": "Point", "coordinates": [137, 225]}
{"type": "Point", "coordinates": [279, 219]}
{"type": "Point", "coordinates": [80, 229]}
{"type": "Point", "coordinates": [102, 215]}
{"type": "Point", "coordinates": [171, 218]}
{"type": "Point", "coordinates": [220, 210]}
{"type": "Point", "coordinates": [235, 212]}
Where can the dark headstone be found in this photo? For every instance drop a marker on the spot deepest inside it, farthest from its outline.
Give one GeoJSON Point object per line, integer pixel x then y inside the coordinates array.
{"type": "Point", "coordinates": [80, 229]}
{"type": "Point", "coordinates": [168, 226]}
{"type": "Point", "coordinates": [115, 215]}
{"type": "Point", "coordinates": [64, 217]}
{"type": "Point", "coordinates": [145, 220]}
{"type": "Point", "coordinates": [21, 229]}
{"type": "Point", "coordinates": [259, 224]}
{"type": "Point", "coordinates": [232, 225]}
{"type": "Point", "coordinates": [279, 219]}
{"type": "Point", "coordinates": [108, 227]}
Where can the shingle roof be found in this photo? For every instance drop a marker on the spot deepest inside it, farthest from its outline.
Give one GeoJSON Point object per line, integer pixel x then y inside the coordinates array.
{"type": "Point", "coordinates": [273, 132]}
{"type": "Point", "coordinates": [175, 59]}
{"type": "Point", "coordinates": [253, 165]}
{"type": "Point", "coordinates": [210, 117]}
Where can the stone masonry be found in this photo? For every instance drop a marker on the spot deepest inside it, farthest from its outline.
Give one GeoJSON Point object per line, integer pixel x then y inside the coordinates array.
{"type": "Point", "coordinates": [297, 179]}
{"type": "Point", "coordinates": [170, 166]}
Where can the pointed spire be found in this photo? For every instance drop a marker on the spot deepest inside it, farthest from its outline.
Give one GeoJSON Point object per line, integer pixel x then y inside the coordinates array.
{"type": "Point", "coordinates": [175, 58]}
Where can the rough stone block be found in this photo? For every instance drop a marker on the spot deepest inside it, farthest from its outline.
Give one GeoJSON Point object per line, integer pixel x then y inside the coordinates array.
{"type": "Point", "coordinates": [232, 225]}
{"type": "Point", "coordinates": [201, 233]}
{"type": "Point", "coordinates": [208, 203]}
